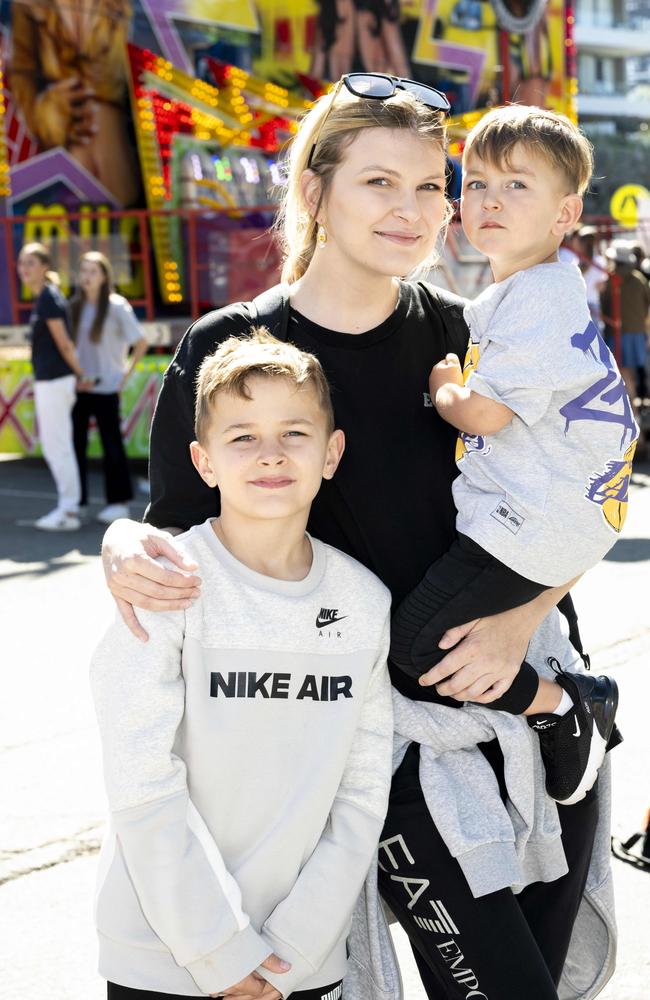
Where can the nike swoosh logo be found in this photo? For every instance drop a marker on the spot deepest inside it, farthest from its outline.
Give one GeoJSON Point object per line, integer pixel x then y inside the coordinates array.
{"type": "Point", "coordinates": [323, 623]}
{"type": "Point", "coordinates": [577, 732]}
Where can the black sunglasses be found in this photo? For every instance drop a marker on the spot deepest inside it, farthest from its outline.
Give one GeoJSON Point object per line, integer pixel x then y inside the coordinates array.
{"type": "Point", "coordinates": [381, 87]}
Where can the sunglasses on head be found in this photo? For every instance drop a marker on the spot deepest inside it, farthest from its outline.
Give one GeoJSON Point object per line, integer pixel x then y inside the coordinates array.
{"type": "Point", "coordinates": [381, 87]}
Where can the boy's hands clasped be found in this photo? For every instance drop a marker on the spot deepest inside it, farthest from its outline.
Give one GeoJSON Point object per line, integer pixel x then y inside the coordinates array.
{"type": "Point", "coordinates": [254, 986]}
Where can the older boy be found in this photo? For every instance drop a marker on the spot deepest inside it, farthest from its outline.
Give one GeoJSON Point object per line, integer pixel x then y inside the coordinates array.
{"type": "Point", "coordinates": [248, 764]}
{"type": "Point", "coordinates": [547, 433]}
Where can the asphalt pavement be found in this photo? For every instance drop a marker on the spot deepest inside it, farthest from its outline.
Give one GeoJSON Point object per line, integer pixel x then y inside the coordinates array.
{"type": "Point", "coordinates": [54, 607]}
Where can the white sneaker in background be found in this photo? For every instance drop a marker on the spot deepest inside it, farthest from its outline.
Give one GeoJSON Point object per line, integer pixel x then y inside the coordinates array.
{"type": "Point", "coordinates": [58, 520]}
{"type": "Point", "coordinates": [113, 512]}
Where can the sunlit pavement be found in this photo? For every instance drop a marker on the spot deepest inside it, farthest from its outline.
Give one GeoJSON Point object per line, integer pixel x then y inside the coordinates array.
{"type": "Point", "coordinates": [54, 607]}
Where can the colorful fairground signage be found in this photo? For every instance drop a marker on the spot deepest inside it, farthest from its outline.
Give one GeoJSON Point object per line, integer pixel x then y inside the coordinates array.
{"type": "Point", "coordinates": [169, 105]}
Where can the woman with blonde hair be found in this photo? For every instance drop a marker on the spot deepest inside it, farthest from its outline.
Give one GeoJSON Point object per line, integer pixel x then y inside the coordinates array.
{"type": "Point", "coordinates": [105, 329]}
{"type": "Point", "coordinates": [56, 370]}
{"type": "Point", "coordinates": [364, 208]}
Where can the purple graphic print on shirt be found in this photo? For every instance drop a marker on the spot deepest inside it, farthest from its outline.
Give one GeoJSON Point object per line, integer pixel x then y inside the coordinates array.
{"type": "Point", "coordinates": [608, 391]}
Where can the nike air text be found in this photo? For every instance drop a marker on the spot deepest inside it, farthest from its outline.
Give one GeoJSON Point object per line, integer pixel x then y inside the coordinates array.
{"type": "Point", "coordinates": [250, 684]}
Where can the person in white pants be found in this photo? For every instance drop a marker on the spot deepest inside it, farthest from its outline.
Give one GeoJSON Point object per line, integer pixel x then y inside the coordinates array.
{"type": "Point", "coordinates": [57, 374]}
{"type": "Point", "coordinates": [54, 399]}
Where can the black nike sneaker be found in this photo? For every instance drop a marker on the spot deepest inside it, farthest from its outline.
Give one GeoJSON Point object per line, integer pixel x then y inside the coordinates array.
{"type": "Point", "coordinates": [574, 745]}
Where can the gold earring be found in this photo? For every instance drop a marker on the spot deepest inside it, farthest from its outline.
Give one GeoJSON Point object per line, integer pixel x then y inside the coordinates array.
{"type": "Point", "coordinates": [321, 236]}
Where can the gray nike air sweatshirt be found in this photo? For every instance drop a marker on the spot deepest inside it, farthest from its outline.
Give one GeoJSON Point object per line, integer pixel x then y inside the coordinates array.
{"type": "Point", "coordinates": [247, 757]}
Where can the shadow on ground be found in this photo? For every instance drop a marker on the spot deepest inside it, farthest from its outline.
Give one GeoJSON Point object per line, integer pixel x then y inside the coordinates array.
{"type": "Point", "coordinates": [27, 492]}
{"type": "Point", "coordinates": [630, 550]}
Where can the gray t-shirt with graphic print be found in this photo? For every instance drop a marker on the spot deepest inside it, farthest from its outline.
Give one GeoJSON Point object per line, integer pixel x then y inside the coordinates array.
{"type": "Point", "coordinates": [106, 359]}
{"type": "Point", "coordinates": [547, 495]}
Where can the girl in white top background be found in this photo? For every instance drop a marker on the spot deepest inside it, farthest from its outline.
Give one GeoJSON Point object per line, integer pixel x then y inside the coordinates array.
{"type": "Point", "coordinates": [110, 342]}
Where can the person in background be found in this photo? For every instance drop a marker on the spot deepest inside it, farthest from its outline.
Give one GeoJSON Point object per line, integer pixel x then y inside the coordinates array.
{"type": "Point", "coordinates": [579, 248]}
{"type": "Point", "coordinates": [639, 256]}
{"type": "Point", "coordinates": [634, 313]}
{"type": "Point", "coordinates": [594, 270]}
{"type": "Point", "coordinates": [570, 250]}
{"type": "Point", "coordinates": [643, 267]}
{"type": "Point", "coordinates": [105, 329]}
{"type": "Point", "coordinates": [56, 370]}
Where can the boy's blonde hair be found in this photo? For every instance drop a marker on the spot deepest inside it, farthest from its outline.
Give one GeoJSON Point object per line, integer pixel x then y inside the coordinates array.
{"type": "Point", "coordinates": [342, 121]}
{"type": "Point", "coordinates": [552, 135]}
{"type": "Point", "coordinates": [259, 354]}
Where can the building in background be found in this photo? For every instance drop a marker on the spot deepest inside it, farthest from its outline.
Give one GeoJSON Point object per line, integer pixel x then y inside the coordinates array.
{"type": "Point", "coordinates": [640, 67]}
{"type": "Point", "coordinates": [613, 43]}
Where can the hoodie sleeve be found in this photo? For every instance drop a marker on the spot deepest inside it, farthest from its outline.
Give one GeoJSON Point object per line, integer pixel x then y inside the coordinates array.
{"type": "Point", "coordinates": [189, 898]}
{"type": "Point", "coordinates": [305, 926]}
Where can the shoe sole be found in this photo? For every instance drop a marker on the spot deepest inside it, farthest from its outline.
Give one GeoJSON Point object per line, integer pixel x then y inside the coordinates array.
{"type": "Point", "coordinates": [109, 520]}
{"type": "Point", "coordinates": [59, 527]}
{"type": "Point", "coordinates": [598, 747]}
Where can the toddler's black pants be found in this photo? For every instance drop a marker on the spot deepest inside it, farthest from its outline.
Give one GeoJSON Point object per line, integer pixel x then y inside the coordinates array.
{"type": "Point", "coordinates": [464, 584]}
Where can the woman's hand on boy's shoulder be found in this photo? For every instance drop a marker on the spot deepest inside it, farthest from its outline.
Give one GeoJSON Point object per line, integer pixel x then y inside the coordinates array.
{"type": "Point", "coordinates": [135, 577]}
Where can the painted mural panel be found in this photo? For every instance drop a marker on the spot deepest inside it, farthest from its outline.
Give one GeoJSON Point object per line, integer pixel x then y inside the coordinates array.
{"type": "Point", "coordinates": [69, 86]}
{"type": "Point", "coordinates": [170, 104]}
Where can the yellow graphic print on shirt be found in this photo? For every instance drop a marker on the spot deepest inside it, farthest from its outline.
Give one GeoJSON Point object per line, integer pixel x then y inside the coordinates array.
{"type": "Point", "coordinates": [610, 488]}
{"type": "Point", "coordinates": [474, 443]}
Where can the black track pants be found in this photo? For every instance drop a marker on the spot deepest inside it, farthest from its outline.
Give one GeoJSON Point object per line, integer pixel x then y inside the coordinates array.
{"type": "Point", "coordinates": [332, 992]}
{"type": "Point", "coordinates": [105, 408]}
{"type": "Point", "coordinates": [464, 584]}
{"type": "Point", "coordinates": [499, 947]}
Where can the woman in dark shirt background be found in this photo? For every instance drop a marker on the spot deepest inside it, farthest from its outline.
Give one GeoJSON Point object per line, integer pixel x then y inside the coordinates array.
{"type": "Point", "coordinates": [56, 371]}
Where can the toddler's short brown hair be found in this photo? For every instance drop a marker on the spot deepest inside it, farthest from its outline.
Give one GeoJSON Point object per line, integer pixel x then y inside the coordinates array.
{"type": "Point", "coordinates": [552, 135]}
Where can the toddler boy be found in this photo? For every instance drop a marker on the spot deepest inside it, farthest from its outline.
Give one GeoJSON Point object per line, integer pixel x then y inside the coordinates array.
{"type": "Point", "coordinates": [546, 438]}
{"type": "Point", "coordinates": [247, 746]}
